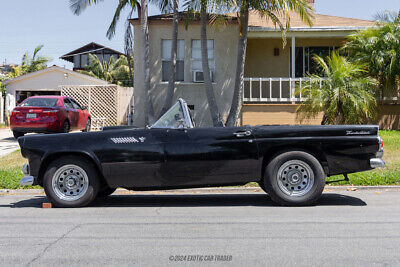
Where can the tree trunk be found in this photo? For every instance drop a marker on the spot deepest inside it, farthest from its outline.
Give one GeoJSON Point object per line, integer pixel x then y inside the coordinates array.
{"type": "Point", "coordinates": [212, 103]}
{"type": "Point", "coordinates": [144, 28]}
{"type": "Point", "coordinates": [171, 82]}
{"type": "Point", "coordinates": [237, 99]}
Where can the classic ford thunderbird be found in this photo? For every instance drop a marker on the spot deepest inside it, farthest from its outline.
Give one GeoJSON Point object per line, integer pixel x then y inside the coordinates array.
{"type": "Point", "coordinates": [290, 163]}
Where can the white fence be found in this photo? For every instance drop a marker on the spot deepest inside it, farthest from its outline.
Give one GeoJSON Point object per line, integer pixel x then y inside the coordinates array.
{"type": "Point", "coordinates": [276, 89]}
{"type": "Point", "coordinates": [107, 104]}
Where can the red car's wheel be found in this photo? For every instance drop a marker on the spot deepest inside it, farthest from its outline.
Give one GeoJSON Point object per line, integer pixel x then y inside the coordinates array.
{"type": "Point", "coordinates": [66, 127]}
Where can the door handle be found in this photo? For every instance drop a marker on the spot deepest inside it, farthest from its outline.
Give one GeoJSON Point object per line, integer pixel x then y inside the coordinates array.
{"type": "Point", "coordinates": [242, 133]}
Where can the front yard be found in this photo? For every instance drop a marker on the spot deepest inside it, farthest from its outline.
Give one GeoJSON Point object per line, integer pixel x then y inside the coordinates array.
{"type": "Point", "coordinates": [10, 167]}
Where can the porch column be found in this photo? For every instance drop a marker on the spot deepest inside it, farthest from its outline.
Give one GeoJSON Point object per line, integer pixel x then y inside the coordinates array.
{"type": "Point", "coordinates": [293, 63]}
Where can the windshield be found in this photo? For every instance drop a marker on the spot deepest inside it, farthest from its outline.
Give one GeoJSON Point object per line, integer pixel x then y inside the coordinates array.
{"type": "Point", "coordinates": [176, 117]}
{"type": "Point", "coordinates": [40, 102]}
{"type": "Point", "coordinates": [173, 118]}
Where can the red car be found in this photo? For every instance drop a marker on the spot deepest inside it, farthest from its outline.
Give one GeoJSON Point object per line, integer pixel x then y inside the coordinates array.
{"type": "Point", "coordinates": [49, 114]}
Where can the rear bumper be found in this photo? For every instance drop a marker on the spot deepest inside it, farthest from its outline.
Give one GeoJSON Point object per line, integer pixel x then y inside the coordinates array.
{"type": "Point", "coordinates": [33, 129]}
{"type": "Point", "coordinates": [376, 163]}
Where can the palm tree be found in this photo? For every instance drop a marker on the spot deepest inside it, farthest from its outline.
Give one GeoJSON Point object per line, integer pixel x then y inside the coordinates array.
{"type": "Point", "coordinates": [346, 95]}
{"type": "Point", "coordinates": [379, 49]}
{"type": "Point", "coordinates": [269, 9]}
{"type": "Point", "coordinates": [212, 102]}
{"type": "Point", "coordinates": [78, 6]}
{"type": "Point", "coordinates": [112, 71]}
{"type": "Point", "coordinates": [30, 63]}
{"type": "Point", "coordinates": [165, 5]}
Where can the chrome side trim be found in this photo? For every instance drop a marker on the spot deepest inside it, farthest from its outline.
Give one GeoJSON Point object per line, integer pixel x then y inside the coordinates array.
{"type": "Point", "coordinates": [27, 180]}
{"type": "Point", "coordinates": [25, 169]}
{"type": "Point", "coordinates": [376, 163]}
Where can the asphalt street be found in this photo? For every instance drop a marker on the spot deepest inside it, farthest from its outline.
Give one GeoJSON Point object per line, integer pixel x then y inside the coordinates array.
{"type": "Point", "coordinates": [194, 227]}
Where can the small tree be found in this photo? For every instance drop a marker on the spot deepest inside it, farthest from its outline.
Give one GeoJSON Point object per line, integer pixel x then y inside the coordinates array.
{"type": "Point", "coordinates": [346, 96]}
{"type": "Point", "coordinates": [379, 49]}
{"type": "Point", "coordinates": [112, 71]}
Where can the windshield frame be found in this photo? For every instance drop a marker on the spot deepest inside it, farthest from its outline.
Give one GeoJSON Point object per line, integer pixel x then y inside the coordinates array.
{"type": "Point", "coordinates": [186, 114]}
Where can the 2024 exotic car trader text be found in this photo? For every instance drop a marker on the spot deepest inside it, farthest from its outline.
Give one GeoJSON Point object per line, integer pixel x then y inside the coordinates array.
{"type": "Point", "coordinates": [290, 163]}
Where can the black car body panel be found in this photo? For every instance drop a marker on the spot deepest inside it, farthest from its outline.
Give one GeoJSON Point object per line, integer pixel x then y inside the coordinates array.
{"type": "Point", "coordinates": [164, 158]}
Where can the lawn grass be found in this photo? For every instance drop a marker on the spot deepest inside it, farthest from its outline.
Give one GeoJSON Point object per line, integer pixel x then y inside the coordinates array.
{"type": "Point", "coordinates": [10, 167]}
{"type": "Point", "coordinates": [10, 171]}
{"type": "Point", "coordinates": [3, 126]}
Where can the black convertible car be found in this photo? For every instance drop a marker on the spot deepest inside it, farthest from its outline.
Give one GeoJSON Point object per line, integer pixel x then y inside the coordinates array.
{"type": "Point", "coordinates": [290, 163]}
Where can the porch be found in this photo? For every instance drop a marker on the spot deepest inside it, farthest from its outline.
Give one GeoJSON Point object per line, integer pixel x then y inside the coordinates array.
{"type": "Point", "coordinates": [273, 75]}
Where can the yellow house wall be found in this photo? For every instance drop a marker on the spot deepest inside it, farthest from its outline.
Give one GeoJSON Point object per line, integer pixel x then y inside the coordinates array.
{"type": "Point", "coordinates": [260, 59]}
{"type": "Point", "coordinates": [285, 114]}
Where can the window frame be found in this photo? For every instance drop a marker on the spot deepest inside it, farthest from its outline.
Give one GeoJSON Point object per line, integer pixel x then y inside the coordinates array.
{"type": "Point", "coordinates": [165, 58]}
{"type": "Point", "coordinates": [211, 60]}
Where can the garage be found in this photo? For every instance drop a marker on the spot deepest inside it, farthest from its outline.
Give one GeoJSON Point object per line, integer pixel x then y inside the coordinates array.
{"type": "Point", "coordinates": [44, 82]}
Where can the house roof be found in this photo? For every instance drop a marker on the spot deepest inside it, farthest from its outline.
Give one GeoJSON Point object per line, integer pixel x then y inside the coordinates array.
{"type": "Point", "coordinates": [319, 21]}
{"type": "Point", "coordinates": [91, 47]}
{"type": "Point", "coordinates": [54, 68]}
{"type": "Point", "coordinates": [257, 22]}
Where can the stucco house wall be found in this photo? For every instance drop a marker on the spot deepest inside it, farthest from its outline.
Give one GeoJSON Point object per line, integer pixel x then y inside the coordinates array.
{"type": "Point", "coordinates": [225, 50]}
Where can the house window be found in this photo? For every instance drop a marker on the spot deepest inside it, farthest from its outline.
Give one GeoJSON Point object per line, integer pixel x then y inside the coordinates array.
{"type": "Point", "coordinates": [77, 61]}
{"type": "Point", "coordinates": [196, 64]}
{"type": "Point", "coordinates": [167, 63]}
{"type": "Point", "coordinates": [304, 62]}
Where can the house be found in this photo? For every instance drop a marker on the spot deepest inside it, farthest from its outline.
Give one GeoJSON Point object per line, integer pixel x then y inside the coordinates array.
{"type": "Point", "coordinates": [271, 72]}
{"type": "Point", "coordinates": [6, 68]}
{"type": "Point", "coordinates": [44, 82]}
{"type": "Point", "coordinates": [80, 57]}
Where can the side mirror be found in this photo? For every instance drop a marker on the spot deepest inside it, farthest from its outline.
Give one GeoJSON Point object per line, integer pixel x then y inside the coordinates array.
{"type": "Point", "coordinates": [84, 108]}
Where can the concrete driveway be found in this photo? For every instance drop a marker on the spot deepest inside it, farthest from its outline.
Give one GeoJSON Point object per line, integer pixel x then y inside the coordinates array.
{"type": "Point", "coordinates": [223, 227]}
{"type": "Point", "coordinates": [8, 143]}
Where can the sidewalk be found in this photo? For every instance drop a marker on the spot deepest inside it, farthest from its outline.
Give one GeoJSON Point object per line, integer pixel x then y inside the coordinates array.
{"type": "Point", "coordinates": [8, 143]}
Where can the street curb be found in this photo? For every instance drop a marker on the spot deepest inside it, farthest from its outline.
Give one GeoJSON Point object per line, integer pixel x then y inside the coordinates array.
{"type": "Point", "coordinates": [204, 190]}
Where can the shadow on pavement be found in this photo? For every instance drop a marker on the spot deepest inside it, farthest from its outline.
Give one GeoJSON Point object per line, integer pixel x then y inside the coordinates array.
{"type": "Point", "coordinates": [188, 200]}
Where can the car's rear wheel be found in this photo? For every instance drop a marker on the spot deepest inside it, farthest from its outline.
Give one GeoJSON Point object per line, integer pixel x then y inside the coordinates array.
{"type": "Point", "coordinates": [66, 127]}
{"type": "Point", "coordinates": [71, 182]}
{"type": "Point", "coordinates": [17, 134]}
{"type": "Point", "coordinates": [88, 125]}
{"type": "Point", "coordinates": [294, 178]}
{"type": "Point", "coordinates": [106, 191]}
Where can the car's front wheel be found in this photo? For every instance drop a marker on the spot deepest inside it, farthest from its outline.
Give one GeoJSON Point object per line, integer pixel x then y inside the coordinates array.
{"type": "Point", "coordinates": [71, 182]}
{"type": "Point", "coordinates": [88, 126]}
{"type": "Point", "coordinates": [294, 178]}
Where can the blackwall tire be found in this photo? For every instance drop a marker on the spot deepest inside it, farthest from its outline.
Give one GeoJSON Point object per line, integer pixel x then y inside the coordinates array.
{"type": "Point", "coordinates": [88, 126]}
{"type": "Point", "coordinates": [17, 134]}
{"type": "Point", "coordinates": [71, 182]}
{"type": "Point", "coordinates": [66, 127]}
{"type": "Point", "coordinates": [294, 178]}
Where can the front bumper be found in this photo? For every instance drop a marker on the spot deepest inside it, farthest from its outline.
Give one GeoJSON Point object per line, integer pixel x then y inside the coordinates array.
{"type": "Point", "coordinates": [376, 163]}
{"type": "Point", "coordinates": [27, 180]}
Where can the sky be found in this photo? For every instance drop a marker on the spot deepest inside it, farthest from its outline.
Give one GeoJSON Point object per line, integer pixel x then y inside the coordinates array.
{"type": "Point", "coordinates": [24, 24]}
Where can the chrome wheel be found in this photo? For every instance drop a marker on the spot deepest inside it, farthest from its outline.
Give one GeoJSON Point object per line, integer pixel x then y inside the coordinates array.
{"type": "Point", "coordinates": [70, 182]}
{"type": "Point", "coordinates": [295, 178]}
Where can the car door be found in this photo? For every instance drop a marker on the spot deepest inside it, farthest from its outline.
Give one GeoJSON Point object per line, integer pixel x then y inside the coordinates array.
{"type": "Point", "coordinates": [80, 115]}
{"type": "Point", "coordinates": [211, 156]}
{"type": "Point", "coordinates": [132, 158]}
{"type": "Point", "coordinates": [71, 113]}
